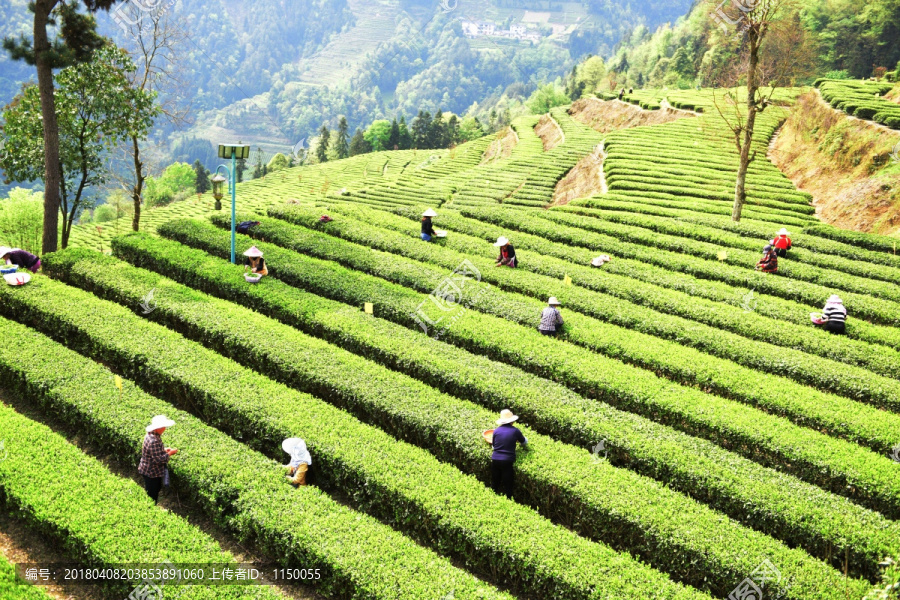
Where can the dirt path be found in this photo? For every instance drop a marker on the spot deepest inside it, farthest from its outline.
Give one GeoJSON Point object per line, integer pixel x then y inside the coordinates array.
{"type": "Point", "coordinates": [610, 115]}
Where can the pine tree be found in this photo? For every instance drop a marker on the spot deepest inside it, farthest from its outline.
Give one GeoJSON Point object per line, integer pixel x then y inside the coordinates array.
{"type": "Point", "coordinates": [437, 132]}
{"type": "Point", "coordinates": [322, 147]}
{"type": "Point", "coordinates": [452, 130]}
{"type": "Point", "coordinates": [342, 149]}
{"type": "Point", "coordinates": [394, 140]}
{"type": "Point", "coordinates": [202, 184]}
{"type": "Point", "coordinates": [421, 130]}
{"type": "Point", "coordinates": [405, 137]}
{"type": "Point", "coordinates": [359, 145]}
{"type": "Point", "coordinates": [258, 169]}
{"type": "Point", "coordinates": [240, 168]}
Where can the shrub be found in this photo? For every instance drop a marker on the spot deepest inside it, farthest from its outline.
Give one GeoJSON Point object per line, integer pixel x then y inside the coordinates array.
{"type": "Point", "coordinates": [263, 412]}
{"type": "Point", "coordinates": [729, 483]}
{"type": "Point", "coordinates": [735, 426]}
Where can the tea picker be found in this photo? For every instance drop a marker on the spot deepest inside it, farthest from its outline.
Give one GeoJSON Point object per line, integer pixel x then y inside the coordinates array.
{"type": "Point", "coordinates": [300, 460]}
{"type": "Point", "coordinates": [504, 439]}
{"type": "Point", "coordinates": [256, 265]}
{"type": "Point", "coordinates": [782, 242]}
{"type": "Point", "coordinates": [507, 256]}
{"type": "Point", "coordinates": [769, 261]}
{"type": "Point", "coordinates": [428, 230]}
{"type": "Point", "coordinates": [19, 258]}
{"type": "Point", "coordinates": [155, 457]}
{"type": "Point", "coordinates": [551, 319]}
{"type": "Point", "coordinates": [833, 317]}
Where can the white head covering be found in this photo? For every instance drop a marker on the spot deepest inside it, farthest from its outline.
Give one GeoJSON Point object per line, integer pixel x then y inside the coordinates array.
{"type": "Point", "coordinates": [4, 251]}
{"type": "Point", "coordinates": [783, 231]}
{"type": "Point", "coordinates": [553, 301]}
{"type": "Point", "coordinates": [297, 449]}
{"type": "Point", "coordinates": [834, 299]}
{"type": "Point", "coordinates": [429, 213]}
{"type": "Point", "coordinates": [158, 422]}
{"type": "Point", "coordinates": [501, 241]}
{"type": "Point", "coordinates": [253, 252]}
{"type": "Point", "coordinates": [506, 416]}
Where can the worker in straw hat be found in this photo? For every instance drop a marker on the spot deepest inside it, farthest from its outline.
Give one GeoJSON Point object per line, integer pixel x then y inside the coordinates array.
{"type": "Point", "coordinates": [507, 256]}
{"type": "Point", "coordinates": [300, 460]}
{"type": "Point", "coordinates": [782, 242]}
{"type": "Point", "coordinates": [255, 261]}
{"type": "Point", "coordinates": [551, 319]}
{"type": "Point", "coordinates": [504, 457]}
{"type": "Point", "coordinates": [428, 231]}
{"type": "Point", "coordinates": [834, 315]}
{"type": "Point", "coordinates": [155, 456]}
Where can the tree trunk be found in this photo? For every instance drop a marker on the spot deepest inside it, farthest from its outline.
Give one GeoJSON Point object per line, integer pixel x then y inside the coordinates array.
{"type": "Point", "coordinates": [740, 189]}
{"type": "Point", "coordinates": [52, 176]}
{"type": "Point", "coordinates": [138, 188]}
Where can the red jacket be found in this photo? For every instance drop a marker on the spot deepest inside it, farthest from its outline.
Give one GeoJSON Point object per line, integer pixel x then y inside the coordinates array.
{"type": "Point", "coordinates": [782, 242]}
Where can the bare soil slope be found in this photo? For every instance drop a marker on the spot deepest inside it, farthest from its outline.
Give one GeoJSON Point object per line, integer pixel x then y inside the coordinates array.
{"type": "Point", "coordinates": [845, 163]}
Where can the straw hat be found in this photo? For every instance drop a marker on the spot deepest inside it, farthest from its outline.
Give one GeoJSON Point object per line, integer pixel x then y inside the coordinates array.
{"type": "Point", "coordinates": [783, 231]}
{"type": "Point", "coordinates": [506, 416]}
{"type": "Point", "coordinates": [253, 252]}
{"type": "Point", "coordinates": [159, 422]}
{"type": "Point", "coordinates": [835, 299]}
{"type": "Point", "coordinates": [429, 213]}
{"type": "Point", "coordinates": [501, 241]}
{"type": "Point", "coordinates": [553, 301]}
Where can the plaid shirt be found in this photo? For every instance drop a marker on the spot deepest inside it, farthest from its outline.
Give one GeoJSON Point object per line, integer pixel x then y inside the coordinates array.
{"type": "Point", "coordinates": [550, 318]}
{"type": "Point", "coordinates": [154, 457]}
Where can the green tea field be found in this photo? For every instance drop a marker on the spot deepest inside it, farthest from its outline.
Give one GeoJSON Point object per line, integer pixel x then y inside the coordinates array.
{"type": "Point", "coordinates": [691, 433]}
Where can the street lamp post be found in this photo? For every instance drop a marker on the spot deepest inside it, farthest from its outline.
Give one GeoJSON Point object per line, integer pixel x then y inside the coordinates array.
{"type": "Point", "coordinates": [234, 152]}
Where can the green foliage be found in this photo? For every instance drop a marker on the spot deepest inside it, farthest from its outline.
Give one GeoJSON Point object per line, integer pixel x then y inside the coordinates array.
{"type": "Point", "coordinates": [378, 134]}
{"type": "Point", "coordinates": [202, 183]}
{"type": "Point", "coordinates": [552, 409]}
{"type": "Point", "coordinates": [240, 489]}
{"type": "Point", "coordinates": [698, 413]}
{"type": "Point", "coordinates": [130, 528]}
{"type": "Point", "coordinates": [547, 97]}
{"type": "Point", "coordinates": [322, 145]}
{"type": "Point", "coordinates": [105, 213]}
{"type": "Point", "coordinates": [238, 399]}
{"type": "Point", "coordinates": [177, 182]}
{"type": "Point", "coordinates": [861, 99]}
{"type": "Point", "coordinates": [22, 220]}
{"type": "Point", "coordinates": [279, 162]}
{"type": "Point", "coordinates": [96, 108]}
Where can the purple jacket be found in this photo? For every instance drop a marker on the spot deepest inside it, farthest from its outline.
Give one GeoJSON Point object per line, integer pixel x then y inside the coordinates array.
{"type": "Point", "coordinates": [22, 259]}
{"type": "Point", "coordinates": [505, 438]}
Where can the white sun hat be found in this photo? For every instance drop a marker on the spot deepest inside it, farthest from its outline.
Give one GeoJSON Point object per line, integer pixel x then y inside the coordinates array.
{"type": "Point", "coordinates": [553, 301]}
{"type": "Point", "coordinates": [158, 422]}
{"type": "Point", "coordinates": [4, 251]}
{"type": "Point", "coordinates": [253, 252]}
{"type": "Point", "coordinates": [835, 299]}
{"type": "Point", "coordinates": [506, 416]}
{"type": "Point", "coordinates": [783, 231]}
{"type": "Point", "coordinates": [501, 241]}
{"type": "Point", "coordinates": [429, 213]}
{"type": "Point", "coordinates": [296, 447]}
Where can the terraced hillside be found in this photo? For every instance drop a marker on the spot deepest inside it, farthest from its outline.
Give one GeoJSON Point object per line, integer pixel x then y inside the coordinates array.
{"type": "Point", "coordinates": [691, 434]}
